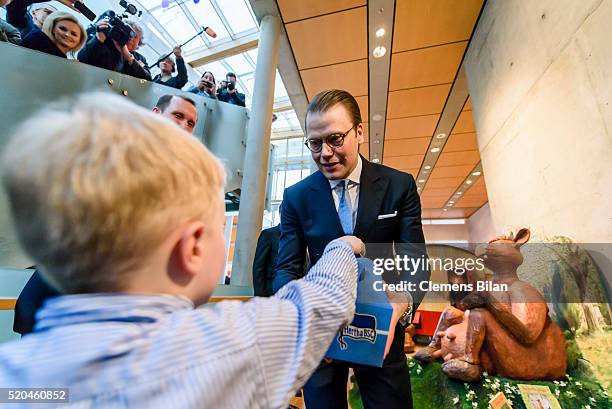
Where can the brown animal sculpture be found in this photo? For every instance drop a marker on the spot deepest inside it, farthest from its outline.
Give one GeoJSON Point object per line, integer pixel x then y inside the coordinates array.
{"type": "Point", "coordinates": [508, 333]}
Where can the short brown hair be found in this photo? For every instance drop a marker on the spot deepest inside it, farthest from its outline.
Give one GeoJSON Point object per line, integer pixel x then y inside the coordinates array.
{"type": "Point", "coordinates": [324, 100]}
{"type": "Point", "coordinates": [164, 101]}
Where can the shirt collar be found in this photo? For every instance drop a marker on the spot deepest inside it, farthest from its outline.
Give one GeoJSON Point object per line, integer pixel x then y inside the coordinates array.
{"type": "Point", "coordinates": [85, 308]}
{"type": "Point", "coordinates": [353, 177]}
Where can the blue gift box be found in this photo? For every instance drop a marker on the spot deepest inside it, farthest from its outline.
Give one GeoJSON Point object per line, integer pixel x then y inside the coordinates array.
{"type": "Point", "coordinates": [363, 340]}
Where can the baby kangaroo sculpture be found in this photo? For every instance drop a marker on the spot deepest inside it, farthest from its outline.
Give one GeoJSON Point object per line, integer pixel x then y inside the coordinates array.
{"type": "Point", "coordinates": [508, 333]}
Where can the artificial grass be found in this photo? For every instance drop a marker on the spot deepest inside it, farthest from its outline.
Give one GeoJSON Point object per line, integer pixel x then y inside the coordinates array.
{"type": "Point", "coordinates": [431, 389]}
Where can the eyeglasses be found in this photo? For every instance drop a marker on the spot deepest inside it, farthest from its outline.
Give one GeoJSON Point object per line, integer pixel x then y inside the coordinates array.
{"type": "Point", "coordinates": [334, 140]}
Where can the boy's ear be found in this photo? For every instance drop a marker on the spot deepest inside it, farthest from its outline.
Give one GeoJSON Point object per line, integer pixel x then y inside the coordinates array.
{"type": "Point", "coordinates": [188, 250]}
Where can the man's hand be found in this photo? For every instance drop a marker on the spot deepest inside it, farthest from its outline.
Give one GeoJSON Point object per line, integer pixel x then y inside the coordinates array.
{"type": "Point", "coordinates": [102, 25]}
{"type": "Point", "coordinates": [400, 303]}
{"type": "Point", "coordinates": [125, 53]}
{"type": "Point", "coordinates": [178, 53]}
{"type": "Point", "coordinates": [355, 243]}
{"type": "Point", "coordinates": [231, 91]}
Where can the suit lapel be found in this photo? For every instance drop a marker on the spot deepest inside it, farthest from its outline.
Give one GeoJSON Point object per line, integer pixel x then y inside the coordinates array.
{"type": "Point", "coordinates": [323, 209]}
{"type": "Point", "coordinates": [371, 193]}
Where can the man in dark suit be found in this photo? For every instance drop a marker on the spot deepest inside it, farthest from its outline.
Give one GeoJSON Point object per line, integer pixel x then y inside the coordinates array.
{"type": "Point", "coordinates": [349, 195]}
{"type": "Point", "coordinates": [265, 261]}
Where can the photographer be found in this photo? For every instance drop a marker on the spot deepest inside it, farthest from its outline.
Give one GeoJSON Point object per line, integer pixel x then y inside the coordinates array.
{"type": "Point", "coordinates": [229, 93]}
{"type": "Point", "coordinates": [114, 45]}
{"type": "Point", "coordinates": [206, 86]}
{"type": "Point", "coordinates": [167, 67]}
{"type": "Point", "coordinates": [25, 21]}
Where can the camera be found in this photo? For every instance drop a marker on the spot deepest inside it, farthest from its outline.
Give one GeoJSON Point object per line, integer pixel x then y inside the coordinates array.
{"type": "Point", "coordinates": [231, 85]}
{"type": "Point", "coordinates": [118, 30]}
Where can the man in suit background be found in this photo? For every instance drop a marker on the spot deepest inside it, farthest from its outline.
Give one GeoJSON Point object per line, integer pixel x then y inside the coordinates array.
{"type": "Point", "coordinates": [265, 261]}
{"type": "Point", "coordinates": [349, 195]}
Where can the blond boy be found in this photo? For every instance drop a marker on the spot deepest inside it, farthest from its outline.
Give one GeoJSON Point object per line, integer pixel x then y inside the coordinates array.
{"type": "Point", "coordinates": [123, 212]}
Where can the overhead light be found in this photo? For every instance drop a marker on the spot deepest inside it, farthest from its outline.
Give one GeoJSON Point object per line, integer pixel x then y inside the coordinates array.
{"type": "Point", "coordinates": [427, 167]}
{"type": "Point", "coordinates": [379, 51]}
{"type": "Point", "coordinates": [441, 136]}
{"type": "Point", "coordinates": [451, 202]}
{"type": "Point", "coordinates": [425, 171]}
{"type": "Point", "coordinates": [377, 141]}
{"type": "Point", "coordinates": [434, 150]}
{"type": "Point", "coordinates": [444, 210]}
{"type": "Point", "coordinates": [376, 160]}
{"type": "Point", "coordinates": [421, 180]}
{"type": "Point", "coordinates": [458, 193]}
{"type": "Point", "coordinates": [469, 182]}
{"type": "Point", "coordinates": [476, 173]}
{"type": "Point", "coordinates": [377, 117]}
{"type": "Point", "coordinates": [380, 32]}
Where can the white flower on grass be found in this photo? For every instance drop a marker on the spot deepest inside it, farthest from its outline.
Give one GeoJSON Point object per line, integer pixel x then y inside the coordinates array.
{"type": "Point", "coordinates": [592, 399]}
{"type": "Point", "coordinates": [474, 404]}
{"type": "Point", "coordinates": [456, 400]}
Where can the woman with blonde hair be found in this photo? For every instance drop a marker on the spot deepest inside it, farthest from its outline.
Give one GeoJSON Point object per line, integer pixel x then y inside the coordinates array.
{"type": "Point", "coordinates": [61, 34]}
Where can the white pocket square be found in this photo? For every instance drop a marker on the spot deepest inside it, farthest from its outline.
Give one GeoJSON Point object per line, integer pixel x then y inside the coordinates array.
{"type": "Point", "coordinates": [386, 216]}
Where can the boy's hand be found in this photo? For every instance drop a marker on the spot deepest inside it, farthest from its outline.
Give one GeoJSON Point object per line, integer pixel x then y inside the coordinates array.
{"type": "Point", "coordinates": [355, 243]}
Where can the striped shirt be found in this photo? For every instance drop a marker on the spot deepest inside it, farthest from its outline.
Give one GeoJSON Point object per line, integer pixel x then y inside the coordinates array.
{"type": "Point", "coordinates": [141, 351]}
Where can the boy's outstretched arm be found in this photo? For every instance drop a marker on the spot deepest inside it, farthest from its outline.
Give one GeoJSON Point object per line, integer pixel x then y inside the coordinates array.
{"type": "Point", "coordinates": [296, 326]}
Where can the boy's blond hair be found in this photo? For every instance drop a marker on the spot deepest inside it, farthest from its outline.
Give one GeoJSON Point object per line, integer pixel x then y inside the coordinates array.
{"type": "Point", "coordinates": [96, 186]}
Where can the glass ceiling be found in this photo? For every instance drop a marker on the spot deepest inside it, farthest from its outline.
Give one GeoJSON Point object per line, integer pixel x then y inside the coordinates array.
{"type": "Point", "coordinates": [177, 21]}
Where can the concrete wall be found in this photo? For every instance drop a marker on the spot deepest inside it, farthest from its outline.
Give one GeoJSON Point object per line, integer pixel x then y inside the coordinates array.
{"type": "Point", "coordinates": [480, 226]}
{"type": "Point", "coordinates": [445, 233]}
{"type": "Point", "coordinates": [540, 78]}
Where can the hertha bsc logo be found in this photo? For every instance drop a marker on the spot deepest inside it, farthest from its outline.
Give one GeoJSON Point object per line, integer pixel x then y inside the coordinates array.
{"type": "Point", "coordinates": [363, 328]}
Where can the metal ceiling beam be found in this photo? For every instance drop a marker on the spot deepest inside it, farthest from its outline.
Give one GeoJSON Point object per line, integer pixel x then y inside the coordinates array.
{"type": "Point", "coordinates": [452, 109]}
{"type": "Point", "coordinates": [381, 16]}
{"type": "Point", "coordinates": [287, 67]}
{"type": "Point", "coordinates": [223, 49]}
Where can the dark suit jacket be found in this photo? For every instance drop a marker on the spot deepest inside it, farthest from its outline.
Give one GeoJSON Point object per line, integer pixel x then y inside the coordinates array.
{"type": "Point", "coordinates": [309, 220]}
{"type": "Point", "coordinates": [265, 261]}
{"type": "Point", "coordinates": [31, 298]}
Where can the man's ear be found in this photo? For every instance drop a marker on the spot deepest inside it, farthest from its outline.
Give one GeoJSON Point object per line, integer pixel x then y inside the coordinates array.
{"type": "Point", "coordinates": [188, 251]}
{"type": "Point", "coordinates": [157, 110]}
{"type": "Point", "coordinates": [360, 131]}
